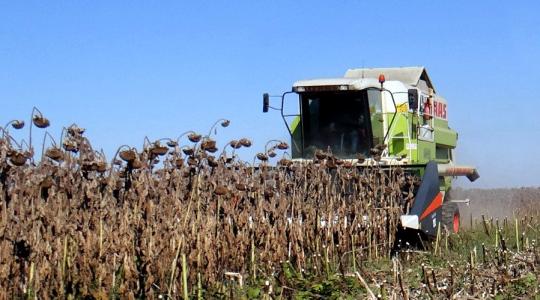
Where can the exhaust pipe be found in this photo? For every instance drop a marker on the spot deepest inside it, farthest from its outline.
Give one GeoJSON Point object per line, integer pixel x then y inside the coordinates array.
{"type": "Point", "coordinates": [451, 170]}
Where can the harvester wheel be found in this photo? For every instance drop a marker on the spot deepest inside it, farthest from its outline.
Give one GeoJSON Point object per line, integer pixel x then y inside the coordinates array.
{"type": "Point", "coordinates": [450, 216]}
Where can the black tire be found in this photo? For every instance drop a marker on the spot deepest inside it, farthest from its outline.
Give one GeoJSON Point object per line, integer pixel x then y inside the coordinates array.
{"type": "Point", "coordinates": [450, 216]}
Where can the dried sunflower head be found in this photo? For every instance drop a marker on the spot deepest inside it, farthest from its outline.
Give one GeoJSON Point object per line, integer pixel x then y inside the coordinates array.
{"type": "Point", "coordinates": [128, 155]}
{"type": "Point", "coordinates": [17, 158]}
{"type": "Point", "coordinates": [262, 157]}
{"type": "Point", "coordinates": [380, 147]}
{"type": "Point", "coordinates": [285, 162]}
{"type": "Point", "coordinates": [158, 149]}
{"type": "Point", "coordinates": [17, 124]}
{"type": "Point", "coordinates": [235, 144]}
{"type": "Point", "coordinates": [70, 145]}
{"type": "Point", "coordinates": [136, 164]}
{"type": "Point", "coordinates": [88, 165]}
{"type": "Point", "coordinates": [283, 146]}
{"type": "Point", "coordinates": [319, 154]}
{"type": "Point", "coordinates": [172, 143]}
{"type": "Point", "coordinates": [194, 137]}
{"type": "Point", "coordinates": [75, 130]}
{"type": "Point", "coordinates": [225, 123]}
{"type": "Point", "coordinates": [192, 161]}
{"type": "Point", "coordinates": [40, 121]}
{"type": "Point", "coordinates": [212, 150]}
{"type": "Point", "coordinates": [100, 166]}
{"type": "Point", "coordinates": [374, 151]}
{"type": "Point", "coordinates": [188, 151]}
{"type": "Point", "coordinates": [55, 154]}
{"type": "Point", "coordinates": [268, 193]}
{"type": "Point", "coordinates": [245, 142]}
{"type": "Point", "coordinates": [208, 144]}
{"type": "Point", "coordinates": [212, 162]}
{"type": "Point", "coordinates": [221, 190]}
{"type": "Point", "coordinates": [241, 187]}
{"type": "Point", "coordinates": [47, 182]}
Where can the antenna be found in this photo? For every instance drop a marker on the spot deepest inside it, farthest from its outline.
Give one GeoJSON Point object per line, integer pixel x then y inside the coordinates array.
{"type": "Point", "coordinates": [363, 68]}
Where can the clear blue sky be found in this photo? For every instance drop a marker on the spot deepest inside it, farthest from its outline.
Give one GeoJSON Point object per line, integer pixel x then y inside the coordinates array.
{"type": "Point", "coordinates": [124, 70]}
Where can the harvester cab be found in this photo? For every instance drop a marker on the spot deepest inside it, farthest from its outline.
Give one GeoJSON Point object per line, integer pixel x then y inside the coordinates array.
{"type": "Point", "coordinates": [383, 117]}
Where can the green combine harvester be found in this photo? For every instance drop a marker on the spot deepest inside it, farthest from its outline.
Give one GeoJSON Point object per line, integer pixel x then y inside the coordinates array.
{"type": "Point", "coordinates": [395, 107]}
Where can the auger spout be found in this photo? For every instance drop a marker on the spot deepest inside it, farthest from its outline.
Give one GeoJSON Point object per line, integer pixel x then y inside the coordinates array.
{"type": "Point", "coordinates": [452, 170]}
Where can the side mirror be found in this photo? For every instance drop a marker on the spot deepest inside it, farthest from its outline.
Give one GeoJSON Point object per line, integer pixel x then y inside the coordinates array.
{"type": "Point", "coordinates": [413, 99]}
{"type": "Point", "coordinates": [266, 102]}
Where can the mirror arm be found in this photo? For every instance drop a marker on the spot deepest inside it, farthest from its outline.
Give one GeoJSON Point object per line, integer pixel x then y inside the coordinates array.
{"type": "Point", "coordinates": [283, 116]}
{"type": "Point", "coordinates": [393, 117]}
{"type": "Point", "coordinates": [382, 89]}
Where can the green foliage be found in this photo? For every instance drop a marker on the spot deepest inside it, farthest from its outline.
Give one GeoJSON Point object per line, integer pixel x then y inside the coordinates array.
{"type": "Point", "coordinates": [336, 287]}
{"type": "Point", "coordinates": [253, 292]}
{"type": "Point", "coordinates": [525, 285]}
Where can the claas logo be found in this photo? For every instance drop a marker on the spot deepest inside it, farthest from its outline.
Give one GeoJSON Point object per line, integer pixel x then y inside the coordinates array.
{"type": "Point", "coordinates": [439, 109]}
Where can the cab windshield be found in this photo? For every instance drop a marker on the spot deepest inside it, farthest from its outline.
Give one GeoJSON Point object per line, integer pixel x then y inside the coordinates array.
{"type": "Point", "coordinates": [336, 121]}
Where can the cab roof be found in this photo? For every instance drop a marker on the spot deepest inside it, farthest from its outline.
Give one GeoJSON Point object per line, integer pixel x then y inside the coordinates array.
{"type": "Point", "coordinates": [414, 76]}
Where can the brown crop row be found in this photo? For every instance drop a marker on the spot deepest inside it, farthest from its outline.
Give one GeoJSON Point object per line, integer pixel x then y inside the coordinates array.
{"type": "Point", "coordinates": [171, 219]}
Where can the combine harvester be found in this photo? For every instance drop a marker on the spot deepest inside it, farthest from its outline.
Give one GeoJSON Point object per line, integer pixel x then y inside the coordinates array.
{"type": "Point", "coordinates": [396, 110]}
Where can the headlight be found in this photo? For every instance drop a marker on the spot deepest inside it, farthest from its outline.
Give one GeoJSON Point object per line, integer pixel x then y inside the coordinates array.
{"type": "Point", "coordinates": [343, 87]}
